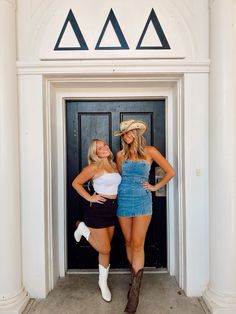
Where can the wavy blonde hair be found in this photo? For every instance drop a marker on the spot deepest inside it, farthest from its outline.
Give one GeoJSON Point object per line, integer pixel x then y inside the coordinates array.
{"type": "Point", "coordinates": [136, 148]}
{"type": "Point", "coordinates": [93, 157]}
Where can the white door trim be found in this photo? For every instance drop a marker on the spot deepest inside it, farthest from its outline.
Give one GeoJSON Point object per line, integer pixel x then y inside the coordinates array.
{"type": "Point", "coordinates": [57, 90]}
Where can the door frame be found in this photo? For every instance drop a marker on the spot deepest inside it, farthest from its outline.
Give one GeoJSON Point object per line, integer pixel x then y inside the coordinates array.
{"type": "Point", "coordinates": [107, 87]}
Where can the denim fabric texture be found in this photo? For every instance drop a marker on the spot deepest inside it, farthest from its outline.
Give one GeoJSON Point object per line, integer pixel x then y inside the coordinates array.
{"type": "Point", "coordinates": [133, 199]}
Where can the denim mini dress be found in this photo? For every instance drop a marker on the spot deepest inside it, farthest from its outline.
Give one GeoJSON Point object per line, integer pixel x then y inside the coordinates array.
{"type": "Point", "coordinates": [133, 199]}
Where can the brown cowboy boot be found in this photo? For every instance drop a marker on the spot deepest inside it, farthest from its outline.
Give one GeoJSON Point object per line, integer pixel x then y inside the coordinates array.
{"type": "Point", "coordinates": [131, 278]}
{"type": "Point", "coordinates": [134, 292]}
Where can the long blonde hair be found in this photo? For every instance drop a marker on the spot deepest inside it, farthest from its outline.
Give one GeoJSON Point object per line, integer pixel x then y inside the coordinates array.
{"type": "Point", "coordinates": [93, 157]}
{"type": "Point", "coordinates": [136, 148]}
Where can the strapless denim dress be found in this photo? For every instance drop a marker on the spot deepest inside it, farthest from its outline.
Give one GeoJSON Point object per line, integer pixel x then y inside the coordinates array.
{"type": "Point", "coordinates": [133, 199]}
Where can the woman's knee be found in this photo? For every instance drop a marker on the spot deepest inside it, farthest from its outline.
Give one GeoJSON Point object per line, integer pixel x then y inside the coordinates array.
{"type": "Point", "coordinates": [105, 249]}
{"type": "Point", "coordinates": [137, 246]}
{"type": "Point", "coordinates": [128, 243]}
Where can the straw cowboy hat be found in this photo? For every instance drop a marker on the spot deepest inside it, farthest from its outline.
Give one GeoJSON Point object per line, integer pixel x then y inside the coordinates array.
{"type": "Point", "coordinates": [129, 125]}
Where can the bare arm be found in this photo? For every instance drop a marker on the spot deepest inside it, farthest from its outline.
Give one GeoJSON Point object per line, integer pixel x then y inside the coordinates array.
{"type": "Point", "coordinates": [156, 156]}
{"type": "Point", "coordinates": [119, 159]}
{"type": "Point", "coordinates": [85, 175]}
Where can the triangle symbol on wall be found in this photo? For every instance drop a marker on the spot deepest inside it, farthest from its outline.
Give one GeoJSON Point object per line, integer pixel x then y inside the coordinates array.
{"type": "Point", "coordinates": [161, 41]}
{"type": "Point", "coordinates": [71, 22]}
{"type": "Point", "coordinates": [108, 45]}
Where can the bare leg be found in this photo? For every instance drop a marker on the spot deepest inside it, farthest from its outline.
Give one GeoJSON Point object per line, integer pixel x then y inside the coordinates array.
{"type": "Point", "coordinates": [139, 231]}
{"type": "Point", "coordinates": [100, 240]}
{"type": "Point", "coordinates": [111, 232]}
{"type": "Point", "coordinates": [104, 259]}
{"type": "Point", "coordinates": [135, 230]}
{"type": "Point", "coordinates": [126, 227]}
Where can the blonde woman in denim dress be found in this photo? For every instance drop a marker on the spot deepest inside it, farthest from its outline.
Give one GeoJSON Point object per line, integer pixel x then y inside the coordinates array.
{"type": "Point", "coordinates": [134, 197]}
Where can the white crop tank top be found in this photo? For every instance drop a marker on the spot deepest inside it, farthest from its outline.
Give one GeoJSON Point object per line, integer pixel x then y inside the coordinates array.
{"type": "Point", "coordinates": [107, 183]}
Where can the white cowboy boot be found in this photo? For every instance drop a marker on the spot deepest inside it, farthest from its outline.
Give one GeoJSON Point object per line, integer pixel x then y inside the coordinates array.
{"type": "Point", "coordinates": [82, 230]}
{"type": "Point", "coordinates": [102, 282]}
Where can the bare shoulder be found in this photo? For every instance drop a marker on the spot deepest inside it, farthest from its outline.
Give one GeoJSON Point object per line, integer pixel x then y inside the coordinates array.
{"type": "Point", "coordinates": [150, 151]}
{"type": "Point", "coordinates": [119, 156]}
{"type": "Point", "coordinates": [86, 174]}
{"type": "Point", "coordinates": [119, 153]}
{"type": "Point", "coordinates": [90, 169]}
{"type": "Point", "coordinates": [119, 159]}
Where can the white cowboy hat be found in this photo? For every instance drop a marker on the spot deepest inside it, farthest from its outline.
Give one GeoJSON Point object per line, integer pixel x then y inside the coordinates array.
{"type": "Point", "coordinates": [129, 125]}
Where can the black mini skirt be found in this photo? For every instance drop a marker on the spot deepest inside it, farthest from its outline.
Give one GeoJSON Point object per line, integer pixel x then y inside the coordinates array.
{"type": "Point", "coordinates": [101, 215]}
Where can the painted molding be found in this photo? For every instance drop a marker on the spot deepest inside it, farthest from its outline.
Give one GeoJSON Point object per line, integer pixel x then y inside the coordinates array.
{"type": "Point", "coordinates": [71, 19]}
{"type": "Point", "coordinates": [164, 42]}
{"type": "Point", "coordinates": [112, 66]}
{"type": "Point", "coordinates": [120, 36]}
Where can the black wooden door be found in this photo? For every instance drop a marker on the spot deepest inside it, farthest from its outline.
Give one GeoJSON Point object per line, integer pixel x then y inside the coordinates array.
{"type": "Point", "coordinates": [86, 120]}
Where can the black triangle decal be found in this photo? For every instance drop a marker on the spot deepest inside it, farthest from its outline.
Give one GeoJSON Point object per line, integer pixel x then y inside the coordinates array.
{"type": "Point", "coordinates": [71, 19]}
{"type": "Point", "coordinates": [159, 31]}
{"type": "Point", "coordinates": [123, 43]}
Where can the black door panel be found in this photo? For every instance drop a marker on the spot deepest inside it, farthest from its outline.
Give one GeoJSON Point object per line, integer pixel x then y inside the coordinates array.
{"type": "Point", "coordinates": [86, 120]}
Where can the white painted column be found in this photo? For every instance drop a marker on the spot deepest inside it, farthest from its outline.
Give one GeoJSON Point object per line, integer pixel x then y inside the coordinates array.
{"type": "Point", "coordinates": [220, 295]}
{"type": "Point", "coordinates": [13, 297]}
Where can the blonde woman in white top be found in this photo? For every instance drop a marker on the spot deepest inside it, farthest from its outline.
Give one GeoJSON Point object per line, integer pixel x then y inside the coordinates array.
{"type": "Point", "coordinates": [99, 217]}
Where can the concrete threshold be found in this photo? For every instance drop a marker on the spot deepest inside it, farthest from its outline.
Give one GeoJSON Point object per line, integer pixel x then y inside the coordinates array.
{"type": "Point", "coordinates": [79, 294]}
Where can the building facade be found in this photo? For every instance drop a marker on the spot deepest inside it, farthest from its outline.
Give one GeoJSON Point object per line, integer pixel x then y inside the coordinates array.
{"type": "Point", "coordinates": [182, 52]}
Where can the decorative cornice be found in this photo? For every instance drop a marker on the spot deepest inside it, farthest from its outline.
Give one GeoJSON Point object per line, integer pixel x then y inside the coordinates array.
{"type": "Point", "coordinates": [112, 67]}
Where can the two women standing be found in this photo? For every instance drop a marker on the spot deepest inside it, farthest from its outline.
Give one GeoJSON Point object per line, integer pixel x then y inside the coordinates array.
{"type": "Point", "coordinates": [134, 200]}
